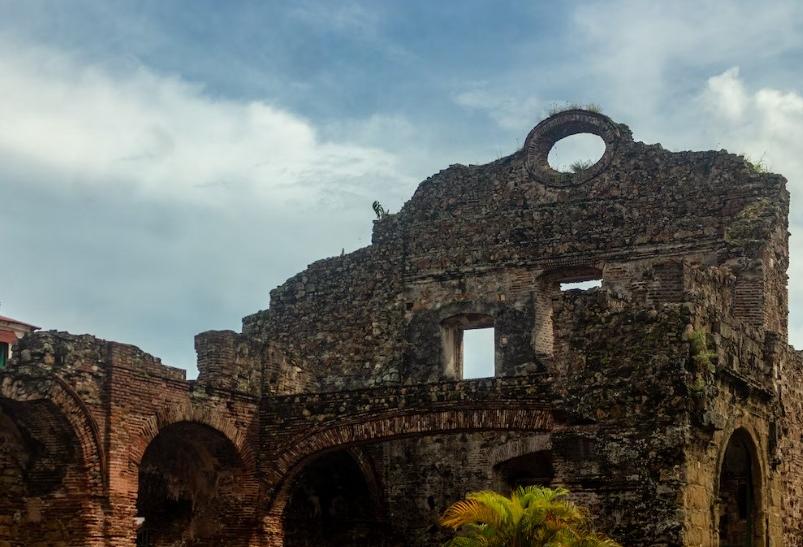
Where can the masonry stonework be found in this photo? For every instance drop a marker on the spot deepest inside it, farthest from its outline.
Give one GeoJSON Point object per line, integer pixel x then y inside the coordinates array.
{"type": "Point", "coordinates": [667, 399]}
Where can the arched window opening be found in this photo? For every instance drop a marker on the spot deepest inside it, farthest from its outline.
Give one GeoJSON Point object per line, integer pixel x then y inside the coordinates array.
{"type": "Point", "coordinates": [191, 490]}
{"type": "Point", "coordinates": [331, 503]}
{"type": "Point", "coordinates": [532, 469]}
{"type": "Point", "coordinates": [739, 494]}
{"type": "Point", "coordinates": [469, 346]}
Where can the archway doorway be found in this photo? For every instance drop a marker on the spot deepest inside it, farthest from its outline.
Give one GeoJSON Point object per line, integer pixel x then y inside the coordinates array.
{"type": "Point", "coordinates": [43, 495]}
{"type": "Point", "coordinates": [193, 490]}
{"type": "Point", "coordinates": [333, 503]}
{"type": "Point", "coordinates": [739, 494]}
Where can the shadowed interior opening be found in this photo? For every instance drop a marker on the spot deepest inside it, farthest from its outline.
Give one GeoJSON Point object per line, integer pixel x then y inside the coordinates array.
{"type": "Point", "coordinates": [190, 489]}
{"type": "Point", "coordinates": [331, 504]}
{"type": "Point", "coordinates": [532, 469]}
{"type": "Point", "coordinates": [40, 466]}
{"type": "Point", "coordinates": [738, 507]}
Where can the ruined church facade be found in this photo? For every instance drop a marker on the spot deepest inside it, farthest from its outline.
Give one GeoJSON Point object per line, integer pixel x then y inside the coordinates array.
{"type": "Point", "coordinates": [667, 399]}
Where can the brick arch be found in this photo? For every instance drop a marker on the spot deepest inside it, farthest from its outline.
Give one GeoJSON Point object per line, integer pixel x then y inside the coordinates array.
{"type": "Point", "coordinates": [177, 413]}
{"type": "Point", "coordinates": [519, 447]}
{"type": "Point", "coordinates": [224, 428]}
{"type": "Point", "coordinates": [293, 456]}
{"type": "Point", "coordinates": [69, 404]}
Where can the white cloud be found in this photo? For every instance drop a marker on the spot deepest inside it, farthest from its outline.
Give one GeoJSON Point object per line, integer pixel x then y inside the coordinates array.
{"type": "Point", "coordinates": [729, 94]}
{"type": "Point", "coordinates": [646, 59]}
{"type": "Point", "coordinates": [508, 111]}
{"type": "Point", "coordinates": [141, 209]}
{"type": "Point", "coordinates": [165, 136]}
{"type": "Point", "coordinates": [767, 125]}
{"type": "Point", "coordinates": [138, 202]}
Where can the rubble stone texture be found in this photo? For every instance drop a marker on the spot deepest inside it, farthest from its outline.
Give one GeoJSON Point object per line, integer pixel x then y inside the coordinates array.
{"type": "Point", "coordinates": [667, 400]}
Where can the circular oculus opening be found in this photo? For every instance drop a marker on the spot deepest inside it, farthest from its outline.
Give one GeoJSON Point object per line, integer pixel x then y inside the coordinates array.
{"type": "Point", "coordinates": [576, 153]}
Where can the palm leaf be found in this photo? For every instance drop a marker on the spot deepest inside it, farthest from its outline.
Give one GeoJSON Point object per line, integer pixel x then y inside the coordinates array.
{"type": "Point", "coordinates": [534, 516]}
{"type": "Point", "coordinates": [470, 511]}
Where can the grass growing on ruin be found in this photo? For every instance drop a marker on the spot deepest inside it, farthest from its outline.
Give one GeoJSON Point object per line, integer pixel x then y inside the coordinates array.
{"type": "Point", "coordinates": [751, 223]}
{"type": "Point", "coordinates": [758, 166]}
{"type": "Point", "coordinates": [580, 165]}
{"type": "Point", "coordinates": [701, 358]}
{"type": "Point", "coordinates": [558, 108]}
{"type": "Point", "coordinates": [700, 353]}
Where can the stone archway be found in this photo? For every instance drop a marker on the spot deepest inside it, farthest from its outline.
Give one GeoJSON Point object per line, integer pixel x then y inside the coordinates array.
{"type": "Point", "coordinates": [54, 390]}
{"type": "Point", "coordinates": [740, 493]}
{"type": "Point", "coordinates": [52, 464]}
{"type": "Point", "coordinates": [42, 477]}
{"type": "Point", "coordinates": [291, 458]}
{"type": "Point", "coordinates": [193, 489]}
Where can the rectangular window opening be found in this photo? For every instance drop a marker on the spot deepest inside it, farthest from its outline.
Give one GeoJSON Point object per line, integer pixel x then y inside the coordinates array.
{"type": "Point", "coordinates": [479, 353]}
{"type": "Point", "coordinates": [581, 285]}
{"type": "Point", "coordinates": [3, 354]}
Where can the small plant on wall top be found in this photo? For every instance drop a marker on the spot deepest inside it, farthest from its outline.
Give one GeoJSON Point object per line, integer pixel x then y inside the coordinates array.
{"type": "Point", "coordinates": [380, 211]}
{"type": "Point", "coordinates": [557, 108]}
{"type": "Point", "coordinates": [533, 516]}
{"type": "Point", "coordinates": [758, 166]}
{"type": "Point", "coordinates": [580, 165]}
{"type": "Point", "coordinates": [700, 353]}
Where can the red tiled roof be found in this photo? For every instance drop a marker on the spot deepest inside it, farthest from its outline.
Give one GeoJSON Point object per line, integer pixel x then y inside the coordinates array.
{"type": "Point", "coordinates": [10, 320]}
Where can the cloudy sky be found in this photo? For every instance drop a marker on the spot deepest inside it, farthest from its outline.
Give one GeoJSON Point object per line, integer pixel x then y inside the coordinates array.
{"type": "Point", "coordinates": [163, 165]}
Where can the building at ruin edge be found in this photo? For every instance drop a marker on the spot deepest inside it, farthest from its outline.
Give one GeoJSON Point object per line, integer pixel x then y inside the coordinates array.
{"type": "Point", "coordinates": [667, 400]}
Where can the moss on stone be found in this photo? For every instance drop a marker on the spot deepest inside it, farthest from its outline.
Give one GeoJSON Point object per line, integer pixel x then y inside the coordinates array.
{"type": "Point", "coordinates": [700, 354]}
{"type": "Point", "coordinates": [751, 223]}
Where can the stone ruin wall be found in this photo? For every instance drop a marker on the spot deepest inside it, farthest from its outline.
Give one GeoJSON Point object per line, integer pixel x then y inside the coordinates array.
{"type": "Point", "coordinates": [489, 236]}
{"type": "Point", "coordinates": [117, 400]}
{"type": "Point", "coordinates": [351, 351]}
{"type": "Point", "coordinates": [787, 439]}
{"type": "Point", "coordinates": [660, 228]}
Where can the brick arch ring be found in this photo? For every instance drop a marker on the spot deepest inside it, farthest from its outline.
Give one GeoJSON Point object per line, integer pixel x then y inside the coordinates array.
{"type": "Point", "coordinates": [56, 391]}
{"type": "Point", "coordinates": [174, 414]}
{"type": "Point", "coordinates": [564, 124]}
{"type": "Point", "coordinates": [293, 456]}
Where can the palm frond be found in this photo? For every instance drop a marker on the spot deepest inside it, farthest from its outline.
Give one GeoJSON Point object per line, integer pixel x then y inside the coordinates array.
{"type": "Point", "coordinates": [592, 539]}
{"type": "Point", "coordinates": [533, 515]}
{"type": "Point", "coordinates": [470, 511]}
{"type": "Point", "coordinates": [463, 541]}
{"type": "Point", "coordinates": [502, 505]}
